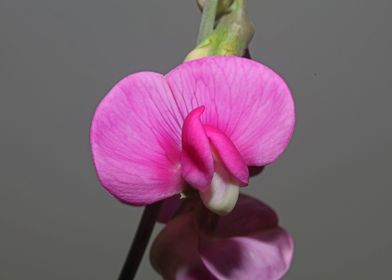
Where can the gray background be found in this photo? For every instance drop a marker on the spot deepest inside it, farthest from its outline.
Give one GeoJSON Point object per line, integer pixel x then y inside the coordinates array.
{"type": "Point", "coordinates": [332, 188]}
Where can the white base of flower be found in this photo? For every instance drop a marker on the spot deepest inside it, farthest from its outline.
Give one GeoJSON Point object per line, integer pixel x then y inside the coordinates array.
{"type": "Point", "coordinates": [223, 193]}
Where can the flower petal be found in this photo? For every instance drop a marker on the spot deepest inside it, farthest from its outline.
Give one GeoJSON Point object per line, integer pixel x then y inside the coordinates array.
{"type": "Point", "coordinates": [262, 251]}
{"type": "Point", "coordinates": [174, 252]}
{"type": "Point", "coordinates": [248, 244]}
{"type": "Point", "coordinates": [259, 216]}
{"type": "Point", "coordinates": [168, 208]}
{"type": "Point", "coordinates": [135, 139]}
{"type": "Point", "coordinates": [264, 255]}
{"type": "Point", "coordinates": [197, 162]}
{"type": "Point", "coordinates": [229, 155]}
{"type": "Point", "coordinates": [244, 99]}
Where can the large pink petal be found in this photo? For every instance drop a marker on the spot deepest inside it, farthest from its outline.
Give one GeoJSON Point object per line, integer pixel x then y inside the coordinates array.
{"type": "Point", "coordinates": [259, 216]}
{"type": "Point", "coordinates": [248, 244]}
{"type": "Point", "coordinates": [135, 139]}
{"type": "Point", "coordinates": [197, 162]}
{"type": "Point", "coordinates": [264, 255]}
{"type": "Point", "coordinates": [244, 99]}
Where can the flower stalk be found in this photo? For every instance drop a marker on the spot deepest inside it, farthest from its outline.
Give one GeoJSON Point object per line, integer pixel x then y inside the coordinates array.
{"type": "Point", "coordinates": [231, 36]}
{"type": "Point", "coordinates": [207, 22]}
{"type": "Point", "coordinates": [140, 242]}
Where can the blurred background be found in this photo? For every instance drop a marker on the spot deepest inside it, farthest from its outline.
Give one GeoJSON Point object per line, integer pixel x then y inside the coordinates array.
{"type": "Point", "coordinates": [332, 187]}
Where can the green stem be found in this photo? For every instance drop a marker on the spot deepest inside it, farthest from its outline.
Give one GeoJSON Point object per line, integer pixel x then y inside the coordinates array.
{"type": "Point", "coordinates": [238, 4]}
{"type": "Point", "coordinates": [230, 35]}
{"type": "Point", "coordinates": [207, 19]}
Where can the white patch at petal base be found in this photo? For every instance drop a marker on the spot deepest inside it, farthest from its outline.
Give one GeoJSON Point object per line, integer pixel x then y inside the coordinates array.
{"type": "Point", "coordinates": [223, 193]}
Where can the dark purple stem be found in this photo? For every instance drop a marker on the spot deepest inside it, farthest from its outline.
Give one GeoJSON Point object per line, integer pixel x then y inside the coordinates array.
{"type": "Point", "coordinates": [140, 242]}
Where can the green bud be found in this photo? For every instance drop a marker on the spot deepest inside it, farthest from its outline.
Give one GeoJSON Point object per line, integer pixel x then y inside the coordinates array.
{"type": "Point", "coordinates": [231, 37]}
{"type": "Point", "coordinates": [234, 33]}
{"type": "Point", "coordinates": [201, 50]}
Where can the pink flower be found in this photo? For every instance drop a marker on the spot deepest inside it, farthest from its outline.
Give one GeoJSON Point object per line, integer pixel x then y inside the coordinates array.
{"type": "Point", "coordinates": [246, 244]}
{"type": "Point", "coordinates": [202, 125]}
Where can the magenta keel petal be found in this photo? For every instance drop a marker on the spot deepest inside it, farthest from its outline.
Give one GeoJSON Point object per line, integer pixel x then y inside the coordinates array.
{"type": "Point", "coordinates": [229, 155]}
{"type": "Point", "coordinates": [197, 162]}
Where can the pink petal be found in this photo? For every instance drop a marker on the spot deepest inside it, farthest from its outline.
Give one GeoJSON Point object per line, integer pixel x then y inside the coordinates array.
{"type": "Point", "coordinates": [259, 216]}
{"type": "Point", "coordinates": [244, 99]}
{"type": "Point", "coordinates": [169, 207]}
{"type": "Point", "coordinates": [135, 139]}
{"type": "Point", "coordinates": [174, 252]}
{"type": "Point", "coordinates": [264, 255]}
{"type": "Point", "coordinates": [229, 155]}
{"type": "Point", "coordinates": [248, 250]}
{"type": "Point", "coordinates": [248, 244]}
{"type": "Point", "coordinates": [197, 162]}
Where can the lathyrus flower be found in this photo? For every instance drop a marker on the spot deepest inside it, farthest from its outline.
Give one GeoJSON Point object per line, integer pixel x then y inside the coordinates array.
{"type": "Point", "coordinates": [200, 126]}
{"type": "Point", "coordinates": [245, 244]}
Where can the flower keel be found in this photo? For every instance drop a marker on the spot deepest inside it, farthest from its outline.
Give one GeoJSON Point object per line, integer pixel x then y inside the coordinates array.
{"type": "Point", "coordinates": [212, 164]}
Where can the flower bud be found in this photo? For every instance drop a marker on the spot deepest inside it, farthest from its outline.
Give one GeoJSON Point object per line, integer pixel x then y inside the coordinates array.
{"type": "Point", "coordinates": [231, 37]}
{"type": "Point", "coordinates": [202, 50]}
